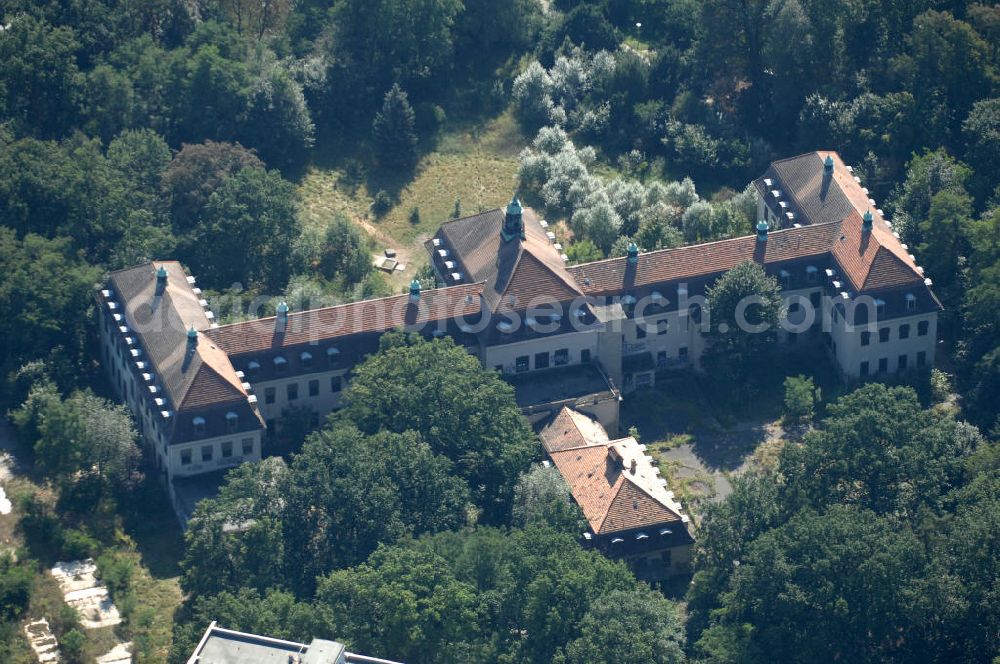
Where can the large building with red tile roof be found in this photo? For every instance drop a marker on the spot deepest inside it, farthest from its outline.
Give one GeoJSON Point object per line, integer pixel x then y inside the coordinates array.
{"type": "Point", "coordinates": [564, 335]}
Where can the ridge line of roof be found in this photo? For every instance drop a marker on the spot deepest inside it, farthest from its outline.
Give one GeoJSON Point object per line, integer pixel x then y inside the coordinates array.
{"type": "Point", "coordinates": [347, 304]}
{"type": "Point", "coordinates": [705, 244]}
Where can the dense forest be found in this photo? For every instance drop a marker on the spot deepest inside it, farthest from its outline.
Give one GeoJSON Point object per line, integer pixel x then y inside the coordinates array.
{"type": "Point", "coordinates": [181, 129]}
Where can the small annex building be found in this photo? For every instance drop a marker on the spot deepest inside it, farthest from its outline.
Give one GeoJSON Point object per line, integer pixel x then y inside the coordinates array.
{"type": "Point", "coordinates": [631, 515]}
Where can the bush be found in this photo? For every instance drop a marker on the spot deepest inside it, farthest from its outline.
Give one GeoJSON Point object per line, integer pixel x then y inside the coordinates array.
{"type": "Point", "coordinates": [801, 396]}
{"type": "Point", "coordinates": [415, 215]}
{"type": "Point", "coordinates": [15, 588]}
{"type": "Point", "coordinates": [72, 646]}
{"type": "Point", "coordinates": [382, 203]}
{"type": "Point", "coordinates": [77, 545]}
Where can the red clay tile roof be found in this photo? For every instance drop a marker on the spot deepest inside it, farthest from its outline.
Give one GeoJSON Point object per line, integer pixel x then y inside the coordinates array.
{"type": "Point", "coordinates": [522, 269]}
{"type": "Point", "coordinates": [616, 275]}
{"type": "Point", "coordinates": [367, 316]}
{"type": "Point", "coordinates": [570, 428]}
{"type": "Point", "coordinates": [611, 496]}
{"type": "Point", "coordinates": [875, 260]}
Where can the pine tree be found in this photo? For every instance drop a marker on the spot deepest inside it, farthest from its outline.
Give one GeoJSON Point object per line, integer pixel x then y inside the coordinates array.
{"type": "Point", "coordinates": [394, 131]}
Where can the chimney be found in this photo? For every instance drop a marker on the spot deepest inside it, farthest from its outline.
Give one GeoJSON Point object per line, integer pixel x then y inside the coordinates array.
{"type": "Point", "coordinates": [866, 221]}
{"type": "Point", "coordinates": [633, 253]}
{"type": "Point", "coordinates": [192, 335]}
{"type": "Point", "coordinates": [762, 229]}
{"type": "Point", "coordinates": [828, 166]}
{"type": "Point", "coordinates": [415, 290]}
{"type": "Point", "coordinates": [513, 223]}
{"type": "Point", "coordinates": [281, 322]}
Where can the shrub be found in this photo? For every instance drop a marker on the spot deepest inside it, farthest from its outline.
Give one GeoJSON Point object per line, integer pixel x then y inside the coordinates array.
{"type": "Point", "coordinates": [72, 645]}
{"type": "Point", "coordinates": [382, 203]}
{"type": "Point", "coordinates": [801, 396]}
{"type": "Point", "coordinates": [415, 215]}
{"type": "Point", "coordinates": [77, 545]}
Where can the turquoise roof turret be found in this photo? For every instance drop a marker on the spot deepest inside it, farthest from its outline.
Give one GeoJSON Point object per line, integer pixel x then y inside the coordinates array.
{"type": "Point", "coordinates": [762, 228]}
{"type": "Point", "coordinates": [415, 289]}
{"type": "Point", "coordinates": [867, 220]}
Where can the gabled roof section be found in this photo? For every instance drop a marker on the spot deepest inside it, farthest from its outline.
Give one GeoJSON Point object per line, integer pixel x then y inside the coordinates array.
{"type": "Point", "coordinates": [873, 260]}
{"type": "Point", "coordinates": [617, 275]}
{"type": "Point", "coordinates": [570, 428]}
{"type": "Point", "coordinates": [364, 317]}
{"type": "Point", "coordinates": [615, 484]}
{"type": "Point", "coordinates": [198, 377]}
{"type": "Point", "coordinates": [513, 272]}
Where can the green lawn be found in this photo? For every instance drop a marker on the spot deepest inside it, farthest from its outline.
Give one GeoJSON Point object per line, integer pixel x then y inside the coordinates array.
{"type": "Point", "coordinates": [477, 165]}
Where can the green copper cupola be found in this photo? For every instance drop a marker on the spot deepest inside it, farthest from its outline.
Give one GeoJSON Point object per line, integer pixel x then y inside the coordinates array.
{"type": "Point", "coordinates": [281, 322]}
{"type": "Point", "coordinates": [828, 165]}
{"type": "Point", "coordinates": [762, 228]}
{"type": "Point", "coordinates": [867, 220]}
{"type": "Point", "coordinates": [633, 253]}
{"type": "Point", "coordinates": [414, 290]}
{"type": "Point", "coordinates": [192, 337]}
{"type": "Point", "coordinates": [513, 223]}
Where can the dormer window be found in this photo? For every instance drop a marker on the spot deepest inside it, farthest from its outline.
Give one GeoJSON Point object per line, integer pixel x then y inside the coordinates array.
{"type": "Point", "coordinates": [811, 273]}
{"type": "Point", "coordinates": [306, 358]}
{"type": "Point", "coordinates": [199, 426]}
{"type": "Point", "coordinates": [253, 369]}
{"type": "Point", "coordinates": [232, 421]}
{"type": "Point", "coordinates": [911, 302]}
{"type": "Point", "coordinates": [332, 356]}
{"type": "Point", "coordinates": [879, 308]}
{"type": "Point", "coordinates": [280, 364]}
{"type": "Point", "coordinates": [785, 278]}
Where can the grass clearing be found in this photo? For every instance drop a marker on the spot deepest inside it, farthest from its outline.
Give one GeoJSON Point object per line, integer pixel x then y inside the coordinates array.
{"type": "Point", "coordinates": [476, 165]}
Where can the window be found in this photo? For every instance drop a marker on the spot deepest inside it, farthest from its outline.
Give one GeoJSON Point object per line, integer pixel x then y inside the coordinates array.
{"type": "Point", "coordinates": [199, 426]}
{"type": "Point", "coordinates": [247, 445]}
{"type": "Point", "coordinates": [682, 353]}
{"type": "Point", "coordinates": [785, 278]}
{"type": "Point", "coordinates": [883, 365]}
{"type": "Point", "coordinates": [814, 299]}
{"type": "Point", "coordinates": [232, 421]}
{"type": "Point", "coordinates": [883, 335]}
{"type": "Point", "coordinates": [640, 331]}
{"type": "Point", "coordinates": [336, 384]}
{"type": "Point", "coordinates": [811, 273]}
{"type": "Point", "coordinates": [280, 364]}
{"type": "Point", "coordinates": [227, 449]}
{"type": "Point", "coordinates": [253, 369]}
{"type": "Point", "coordinates": [332, 356]}
{"type": "Point", "coordinates": [866, 338]}
{"type": "Point", "coordinates": [521, 363]}
{"type": "Point", "coordinates": [562, 357]}
{"type": "Point", "coordinates": [585, 356]}
{"type": "Point", "coordinates": [903, 360]}
{"type": "Point", "coordinates": [292, 391]}
{"type": "Point", "coordinates": [879, 308]}
{"type": "Point", "coordinates": [794, 308]}
{"type": "Point", "coordinates": [269, 395]}
{"type": "Point", "coordinates": [922, 327]}
{"type": "Point", "coordinates": [661, 359]}
{"type": "Point", "coordinates": [541, 360]}
{"type": "Point", "coordinates": [911, 302]}
{"type": "Point", "coordinates": [662, 326]}
{"type": "Point", "coordinates": [314, 388]}
{"type": "Point", "coordinates": [904, 331]}
{"type": "Point", "coordinates": [864, 368]}
{"type": "Point", "coordinates": [185, 457]}
{"type": "Point", "coordinates": [922, 358]}
{"type": "Point", "coordinates": [206, 453]}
